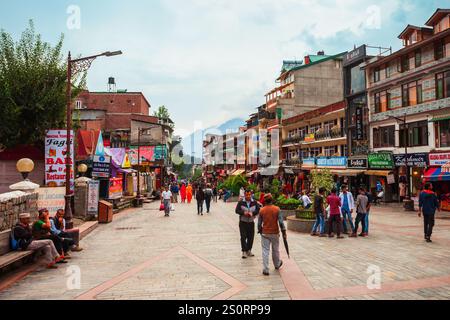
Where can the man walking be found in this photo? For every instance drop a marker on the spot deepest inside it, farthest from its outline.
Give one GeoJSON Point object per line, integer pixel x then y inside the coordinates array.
{"type": "Point", "coordinates": [248, 210]}
{"type": "Point", "coordinates": [362, 207]}
{"type": "Point", "coordinates": [200, 197]}
{"type": "Point", "coordinates": [428, 204]}
{"type": "Point", "coordinates": [270, 222]}
{"type": "Point", "coordinates": [208, 197]}
{"type": "Point", "coordinates": [166, 196]}
{"type": "Point", "coordinates": [348, 206]}
{"type": "Point", "coordinates": [175, 190]}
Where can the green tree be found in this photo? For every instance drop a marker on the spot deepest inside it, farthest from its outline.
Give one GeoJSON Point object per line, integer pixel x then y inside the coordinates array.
{"type": "Point", "coordinates": [322, 178]}
{"type": "Point", "coordinates": [32, 87]}
{"type": "Point", "coordinates": [162, 113]}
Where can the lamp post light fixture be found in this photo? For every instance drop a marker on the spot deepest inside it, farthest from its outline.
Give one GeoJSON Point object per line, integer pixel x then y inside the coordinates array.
{"type": "Point", "coordinates": [82, 169]}
{"type": "Point", "coordinates": [25, 167]}
{"type": "Point", "coordinates": [75, 66]}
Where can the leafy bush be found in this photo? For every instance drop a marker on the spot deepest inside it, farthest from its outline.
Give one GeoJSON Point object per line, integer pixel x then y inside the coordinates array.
{"type": "Point", "coordinates": [234, 184]}
{"type": "Point", "coordinates": [322, 178]}
{"type": "Point", "coordinates": [305, 214]}
{"type": "Point", "coordinates": [288, 204]}
{"type": "Point", "coordinates": [253, 187]}
{"type": "Point", "coordinates": [275, 188]}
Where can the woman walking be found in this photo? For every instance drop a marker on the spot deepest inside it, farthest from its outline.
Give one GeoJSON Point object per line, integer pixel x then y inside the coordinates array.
{"type": "Point", "coordinates": [189, 193]}
{"type": "Point", "coordinates": [183, 193]}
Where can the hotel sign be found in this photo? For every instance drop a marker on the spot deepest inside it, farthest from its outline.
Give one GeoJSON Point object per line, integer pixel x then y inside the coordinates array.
{"type": "Point", "coordinates": [354, 55]}
{"type": "Point", "coordinates": [332, 162]}
{"type": "Point", "coordinates": [439, 159]}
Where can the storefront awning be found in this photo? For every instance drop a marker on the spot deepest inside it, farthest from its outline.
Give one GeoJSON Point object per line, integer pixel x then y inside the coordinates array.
{"type": "Point", "coordinates": [347, 172]}
{"type": "Point", "coordinates": [436, 175]}
{"type": "Point", "coordinates": [288, 171]}
{"type": "Point", "coordinates": [378, 173]}
{"type": "Point", "coordinates": [238, 172]}
{"type": "Point", "coordinates": [441, 116]}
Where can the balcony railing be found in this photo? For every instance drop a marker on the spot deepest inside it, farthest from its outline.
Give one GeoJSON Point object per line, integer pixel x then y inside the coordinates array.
{"type": "Point", "coordinates": [294, 140]}
{"type": "Point", "coordinates": [334, 133]}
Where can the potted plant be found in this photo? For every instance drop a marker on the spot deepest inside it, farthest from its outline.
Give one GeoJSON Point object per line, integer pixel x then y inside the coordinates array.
{"type": "Point", "coordinates": [288, 206]}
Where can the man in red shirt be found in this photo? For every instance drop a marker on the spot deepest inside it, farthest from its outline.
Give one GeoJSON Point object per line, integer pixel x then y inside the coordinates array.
{"type": "Point", "coordinates": [335, 214]}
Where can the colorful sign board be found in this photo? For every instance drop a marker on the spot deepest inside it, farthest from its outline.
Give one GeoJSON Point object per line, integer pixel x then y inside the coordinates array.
{"type": "Point", "coordinates": [439, 159]}
{"type": "Point", "coordinates": [310, 138]}
{"type": "Point", "coordinates": [101, 167]}
{"type": "Point", "coordinates": [309, 162]}
{"type": "Point", "coordinates": [381, 160]}
{"type": "Point", "coordinates": [332, 162]}
{"type": "Point", "coordinates": [419, 160]}
{"type": "Point", "coordinates": [358, 163]}
{"type": "Point", "coordinates": [51, 199]}
{"type": "Point", "coordinates": [55, 158]}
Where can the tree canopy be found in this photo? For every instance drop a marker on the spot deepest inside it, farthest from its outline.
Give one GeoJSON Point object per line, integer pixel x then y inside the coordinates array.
{"type": "Point", "coordinates": [33, 77]}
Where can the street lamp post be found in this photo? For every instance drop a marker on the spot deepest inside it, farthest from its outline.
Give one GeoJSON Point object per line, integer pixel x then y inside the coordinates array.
{"type": "Point", "coordinates": [75, 66]}
{"type": "Point", "coordinates": [408, 174]}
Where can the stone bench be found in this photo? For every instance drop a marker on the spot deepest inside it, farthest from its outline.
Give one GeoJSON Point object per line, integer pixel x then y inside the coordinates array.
{"type": "Point", "coordinates": [9, 259]}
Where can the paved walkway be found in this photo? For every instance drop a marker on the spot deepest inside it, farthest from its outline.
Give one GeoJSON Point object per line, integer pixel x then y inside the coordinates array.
{"type": "Point", "coordinates": [143, 255]}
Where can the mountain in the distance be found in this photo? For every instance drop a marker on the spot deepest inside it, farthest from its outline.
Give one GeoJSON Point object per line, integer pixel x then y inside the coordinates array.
{"type": "Point", "coordinates": [197, 137]}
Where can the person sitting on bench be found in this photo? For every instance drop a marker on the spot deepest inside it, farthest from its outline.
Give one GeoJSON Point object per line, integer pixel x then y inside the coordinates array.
{"type": "Point", "coordinates": [58, 228]}
{"type": "Point", "coordinates": [41, 231]}
{"type": "Point", "coordinates": [23, 235]}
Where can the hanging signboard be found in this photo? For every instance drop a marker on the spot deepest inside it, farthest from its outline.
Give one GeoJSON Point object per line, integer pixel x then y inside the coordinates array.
{"type": "Point", "coordinates": [55, 159]}
{"type": "Point", "coordinates": [93, 197]}
{"type": "Point", "coordinates": [359, 124]}
{"type": "Point", "coordinates": [101, 167]}
{"type": "Point", "coordinates": [115, 188]}
{"type": "Point", "coordinates": [51, 199]}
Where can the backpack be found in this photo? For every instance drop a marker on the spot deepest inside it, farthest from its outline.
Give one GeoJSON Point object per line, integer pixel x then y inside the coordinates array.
{"type": "Point", "coordinates": [13, 242]}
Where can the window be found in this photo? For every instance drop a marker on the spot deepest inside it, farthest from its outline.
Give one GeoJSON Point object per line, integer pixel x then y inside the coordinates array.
{"type": "Point", "coordinates": [388, 70]}
{"type": "Point", "coordinates": [439, 50]}
{"type": "Point", "coordinates": [414, 134]}
{"type": "Point", "coordinates": [315, 152]}
{"type": "Point", "coordinates": [376, 75]}
{"type": "Point", "coordinates": [405, 63]}
{"type": "Point", "coordinates": [384, 137]}
{"type": "Point", "coordinates": [418, 58]}
{"type": "Point", "coordinates": [329, 125]}
{"type": "Point", "coordinates": [314, 128]}
{"type": "Point", "coordinates": [443, 85]}
{"type": "Point", "coordinates": [411, 94]}
{"type": "Point", "coordinates": [382, 101]}
{"type": "Point", "coordinates": [344, 151]}
{"type": "Point", "coordinates": [329, 151]}
{"type": "Point", "coordinates": [78, 105]}
{"type": "Point", "coordinates": [443, 130]}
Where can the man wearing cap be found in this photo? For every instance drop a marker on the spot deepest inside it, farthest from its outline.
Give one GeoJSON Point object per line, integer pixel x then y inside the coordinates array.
{"type": "Point", "coordinates": [269, 224]}
{"type": "Point", "coordinates": [24, 236]}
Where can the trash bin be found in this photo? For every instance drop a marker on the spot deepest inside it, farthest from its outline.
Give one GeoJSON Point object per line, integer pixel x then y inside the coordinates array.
{"type": "Point", "coordinates": [105, 212]}
{"type": "Point", "coordinates": [409, 205]}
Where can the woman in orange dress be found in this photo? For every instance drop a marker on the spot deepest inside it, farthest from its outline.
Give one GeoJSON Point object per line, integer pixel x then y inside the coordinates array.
{"type": "Point", "coordinates": [183, 193]}
{"type": "Point", "coordinates": [189, 193]}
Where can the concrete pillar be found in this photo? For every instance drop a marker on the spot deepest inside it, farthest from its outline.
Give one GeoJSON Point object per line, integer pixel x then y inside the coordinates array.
{"type": "Point", "coordinates": [81, 197]}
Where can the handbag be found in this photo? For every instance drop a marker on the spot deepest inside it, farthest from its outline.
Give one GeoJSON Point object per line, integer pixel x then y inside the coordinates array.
{"type": "Point", "coordinates": [162, 207]}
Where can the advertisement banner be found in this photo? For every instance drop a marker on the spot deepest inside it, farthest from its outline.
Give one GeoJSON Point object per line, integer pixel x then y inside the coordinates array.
{"type": "Point", "coordinates": [93, 197]}
{"type": "Point", "coordinates": [115, 188]}
{"type": "Point", "coordinates": [147, 155]}
{"type": "Point", "coordinates": [51, 199]}
{"type": "Point", "coordinates": [439, 159]}
{"type": "Point", "coordinates": [55, 159]}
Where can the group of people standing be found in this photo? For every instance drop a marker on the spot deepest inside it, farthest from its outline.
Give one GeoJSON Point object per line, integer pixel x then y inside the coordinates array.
{"type": "Point", "coordinates": [339, 209]}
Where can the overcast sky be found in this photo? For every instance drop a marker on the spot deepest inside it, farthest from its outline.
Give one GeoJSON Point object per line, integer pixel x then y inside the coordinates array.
{"type": "Point", "coordinates": [210, 60]}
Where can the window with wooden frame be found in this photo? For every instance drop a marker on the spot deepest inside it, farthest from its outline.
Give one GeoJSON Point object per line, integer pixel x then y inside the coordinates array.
{"type": "Point", "coordinates": [412, 94]}
{"type": "Point", "coordinates": [382, 101]}
{"type": "Point", "coordinates": [439, 49]}
{"type": "Point", "coordinates": [405, 63]}
{"type": "Point", "coordinates": [376, 74]}
{"type": "Point", "coordinates": [443, 85]}
{"type": "Point", "coordinates": [418, 58]}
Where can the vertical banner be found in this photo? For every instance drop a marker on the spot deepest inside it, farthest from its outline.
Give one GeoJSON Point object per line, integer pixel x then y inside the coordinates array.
{"type": "Point", "coordinates": [93, 197]}
{"type": "Point", "coordinates": [55, 159]}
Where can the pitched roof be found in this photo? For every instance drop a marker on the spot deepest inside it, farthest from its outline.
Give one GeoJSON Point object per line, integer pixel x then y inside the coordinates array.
{"type": "Point", "coordinates": [436, 16]}
{"type": "Point", "coordinates": [289, 64]}
{"type": "Point", "coordinates": [410, 28]}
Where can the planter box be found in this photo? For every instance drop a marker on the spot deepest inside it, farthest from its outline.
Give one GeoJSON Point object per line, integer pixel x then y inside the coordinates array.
{"type": "Point", "coordinates": [287, 213]}
{"type": "Point", "coordinates": [300, 225]}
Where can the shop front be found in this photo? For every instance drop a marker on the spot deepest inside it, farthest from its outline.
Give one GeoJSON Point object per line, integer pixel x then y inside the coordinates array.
{"type": "Point", "coordinates": [382, 176]}
{"type": "Point", "coordinates": [308, 164]}
{"type": "Point", "coordinates": [356, 168]}
{"type": "Point", "coordinates": [337, 166]}
{"type": "Point", "coordinates": [417, 164]}
{"type": "Point", "coordinates": [439, 175]}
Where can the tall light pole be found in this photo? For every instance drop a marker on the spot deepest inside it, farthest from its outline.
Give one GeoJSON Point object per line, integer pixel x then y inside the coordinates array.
{"type": "Point", "coordinates": [406, 141]}
{"type": "Point", "coordinates": [74, 67]}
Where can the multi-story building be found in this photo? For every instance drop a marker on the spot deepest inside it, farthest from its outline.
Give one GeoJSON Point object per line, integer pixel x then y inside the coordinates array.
{"type": "Point", "coordinates": [409, 102]}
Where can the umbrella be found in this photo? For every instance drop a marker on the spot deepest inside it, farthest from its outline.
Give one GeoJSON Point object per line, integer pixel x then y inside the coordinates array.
{"type": "Point", "coordinates": [286, 245]}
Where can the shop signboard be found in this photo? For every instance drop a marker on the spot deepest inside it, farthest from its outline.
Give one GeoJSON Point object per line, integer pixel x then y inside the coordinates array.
{"type": "Point", "coordinates": [51, 199]}
{"type": "Point", "coordinates": [381, 160]}
{"type": "Point", "coordinates": [419, 160]}
{"type": "Point", "coordinates": [439, 159]}
{"type": "Point", "coordinates": [354, 55]}
{"type": "Point", "coordinates": [332, 162]}
{"type": "Point", "coordinates": [115, 188]}
{"type": "Point", "coordinates": [309, 162]}
{"type": "Point", "coordinates": [101, 167]}
{"type": "Point", "coordinates": [55, 159]}
{"type": "Point", "coordinates": [358, 163]}
{"type": "Point", "coordinates": [93, 197]}
{"type": "Point", "coordinates": [359, 124]}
